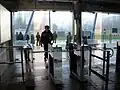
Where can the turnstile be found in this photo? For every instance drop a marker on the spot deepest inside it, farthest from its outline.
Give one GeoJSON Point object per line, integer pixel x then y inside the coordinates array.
{"type": "Point", "coordinates": [78, 62]}
{"type": "Point", "coordinates": [55, 65]}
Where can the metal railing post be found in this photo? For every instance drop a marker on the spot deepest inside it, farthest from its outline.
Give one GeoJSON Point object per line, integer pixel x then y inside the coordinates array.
{"type": "Point", "coordinates": [107, 69]}
{"type": "Point", "coordinates": [82, 65]}
{"type": "Point", "coordinates": [107, 66]}
{"type": "Point", "coordinates": [104, 55]}
{"type": "Point", "coordinates": [90, 61]}
{"type": "Point", "coordinates": [22, 64]}
{"type": "Point", "coordinates": [32, 55]}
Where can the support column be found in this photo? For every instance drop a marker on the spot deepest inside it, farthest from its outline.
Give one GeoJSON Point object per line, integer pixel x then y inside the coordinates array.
{"type": "Point", "coordinates": [50, 20]}
{"type": "Point", "coordinates": [11, 41]}
{"type": "Point", "coordinates": [79, 29]}
{"type": "Point", "coordinates": [73, 27]}
{"type": "Point", "coordinates": [78, 22]}
{"type": "Point", "coordinates": [79, 37]}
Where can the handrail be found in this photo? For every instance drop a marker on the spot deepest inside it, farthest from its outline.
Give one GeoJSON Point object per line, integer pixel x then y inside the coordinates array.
{"type": "Point", "coordinates": [98, 49]}
{"type": "Point", "coordinates": [9, 62]}
{"type": "Point", "coordinates": [57, 51]}
{"type": "Point", "coordinates": [106, 49]}
{"type": "Point", "coordinates": [11, 46]}
{"type": "Point", "coordinates": [97, 57]}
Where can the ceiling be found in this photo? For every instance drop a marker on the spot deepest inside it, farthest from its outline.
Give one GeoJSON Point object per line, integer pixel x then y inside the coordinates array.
{"type": "Point", "coordinates": [85, 5]}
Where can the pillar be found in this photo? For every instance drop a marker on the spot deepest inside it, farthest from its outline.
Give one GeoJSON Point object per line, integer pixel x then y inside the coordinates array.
{"type": "Point", "coordinates": [11, 41]}
{"type": "Point", "coordinates": [78, 22]}
{"type": "Point", "coordinates": [50, 20]}
{"type": "Point", "coordinates": [73, 27]}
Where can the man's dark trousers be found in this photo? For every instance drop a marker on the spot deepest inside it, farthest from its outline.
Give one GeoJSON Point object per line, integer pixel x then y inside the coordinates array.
{"type": "Point", "coordinates": [46, 50]}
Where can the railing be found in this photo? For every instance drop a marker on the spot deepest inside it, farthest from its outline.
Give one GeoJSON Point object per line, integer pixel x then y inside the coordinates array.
{"type": "Point", "coordinates": [13, 62]}
{"type": "Point", "coordinates": [105, 58]}
{"type": "Point", "coordinates": [105, 49]}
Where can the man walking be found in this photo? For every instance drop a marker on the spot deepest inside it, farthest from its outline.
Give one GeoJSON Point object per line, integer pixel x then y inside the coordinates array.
{"type": "Point", "coordinates": [46, 38]}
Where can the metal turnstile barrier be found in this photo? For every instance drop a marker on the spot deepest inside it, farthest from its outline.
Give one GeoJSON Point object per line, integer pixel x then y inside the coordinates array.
{"type": "Point", "coordinates": [13, 62]}
{"type": "Point", "coordinates": [106, 58]}
{"type": "Point", "coordinates": [55, 63]}
{"type": "Point", "coordinates": [77, 62]}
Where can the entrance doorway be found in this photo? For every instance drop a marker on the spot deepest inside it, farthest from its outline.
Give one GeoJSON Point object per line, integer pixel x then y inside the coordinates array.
{"type": "Point", "coordinates": [29, 23]}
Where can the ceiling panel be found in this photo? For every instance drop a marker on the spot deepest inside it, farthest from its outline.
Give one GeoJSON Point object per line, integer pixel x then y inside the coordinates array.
{"type": "Point", "coordinates": [112, 1]}
{"type": "Point", "coordinates": [109, 1]}
{"type": "Point", "coordinates": [89, 5]}
{"type": "Point", "coordinates": [57, 0]}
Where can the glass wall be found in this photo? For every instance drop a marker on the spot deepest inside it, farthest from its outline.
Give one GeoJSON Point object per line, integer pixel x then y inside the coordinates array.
{"type": "Point", "coordinates": [21, 19]}
{"type": "Point", "coordinates": [111, 28]}
{"type": "Point", "coordinates": [107, 28]}
{"type": "Point", "coordinates": [87, 24]}
{"type": "Point", "coordinates": [60, 22]}
{"type": "Point", "coordinates": [41, 18]}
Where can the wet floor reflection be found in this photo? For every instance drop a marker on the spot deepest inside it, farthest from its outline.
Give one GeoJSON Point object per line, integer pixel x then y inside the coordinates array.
{"type": "Point", "coordinates": [30, 78]}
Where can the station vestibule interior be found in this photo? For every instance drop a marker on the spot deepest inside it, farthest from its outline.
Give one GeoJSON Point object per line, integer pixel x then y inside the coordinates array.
{"type": "Point", "coordinates": [99, 28]}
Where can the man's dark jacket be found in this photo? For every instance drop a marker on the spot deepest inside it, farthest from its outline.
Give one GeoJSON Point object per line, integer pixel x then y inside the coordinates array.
{"type": "Point", "coordinates": [46, 37]}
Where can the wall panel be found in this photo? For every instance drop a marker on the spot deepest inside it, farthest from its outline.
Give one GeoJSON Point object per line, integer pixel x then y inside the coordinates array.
{"type": "Point", "coordinates": [5, 29]}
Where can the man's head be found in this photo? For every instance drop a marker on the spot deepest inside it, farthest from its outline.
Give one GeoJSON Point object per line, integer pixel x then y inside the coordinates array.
{"type": "Point", "coordinates": [37, 33]}
{"type": "Point", "coordinates": [69, 33]}
{"type": "Point", "coordinates": [47, 28]}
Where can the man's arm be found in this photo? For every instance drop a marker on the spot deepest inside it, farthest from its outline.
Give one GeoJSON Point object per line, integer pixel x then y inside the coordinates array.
{"type": "Point", "coordinates": [41, 37]}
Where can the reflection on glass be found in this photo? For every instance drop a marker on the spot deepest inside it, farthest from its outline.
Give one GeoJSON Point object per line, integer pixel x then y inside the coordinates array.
{"type": "Point", "coordinates": [106, 27]}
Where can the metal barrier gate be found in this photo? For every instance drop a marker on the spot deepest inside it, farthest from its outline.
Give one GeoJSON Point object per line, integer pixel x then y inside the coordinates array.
{"type": "Point", "coordinates": [106, 58]}
{"type": "Point", "coordinates": [77, 62]}
{"type": "Point", "coordinates": [52, 62]}
{"type": "Point", "coordinates": [21, 51]}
